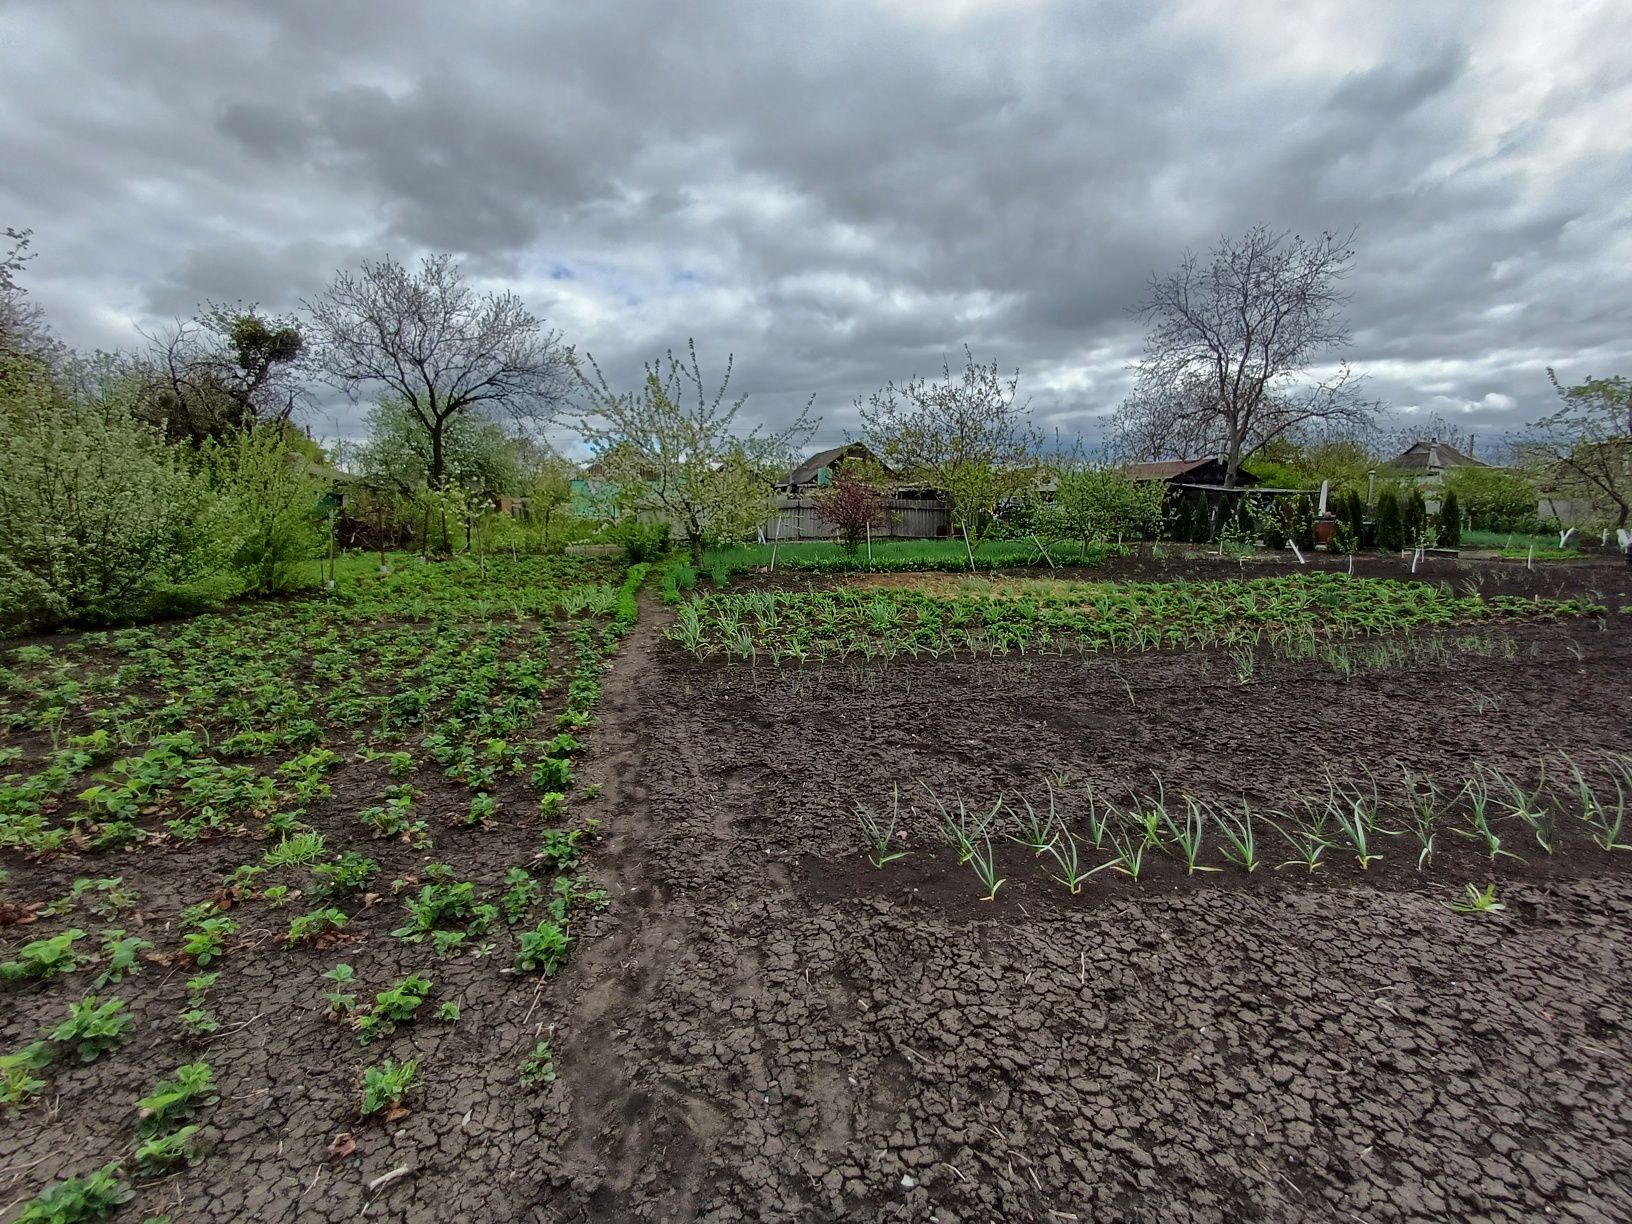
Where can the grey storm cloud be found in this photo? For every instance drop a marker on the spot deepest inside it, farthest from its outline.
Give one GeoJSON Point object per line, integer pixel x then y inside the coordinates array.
{"type": "Point", "coordinates": [842, 193]}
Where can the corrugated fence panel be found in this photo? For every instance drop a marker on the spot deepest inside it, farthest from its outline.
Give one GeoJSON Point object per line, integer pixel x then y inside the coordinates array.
{"type": "Point", "coordinates": [796, 519]}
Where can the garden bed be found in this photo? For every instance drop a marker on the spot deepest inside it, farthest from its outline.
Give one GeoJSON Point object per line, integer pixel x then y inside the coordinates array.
{"type": "Point", "coordinates": [762, 1025]}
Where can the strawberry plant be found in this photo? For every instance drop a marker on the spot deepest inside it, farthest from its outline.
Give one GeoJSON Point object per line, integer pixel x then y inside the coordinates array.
{"type": "Point", "coordinates": [18, 1083]}
{"type": "Point", "coordinates": [119, 953]}
{"type": "Point", "coordinates": [93, 1028]}
{"type": "Point", "coordinates": [339, 1002]}
{"type": "Point", "coordinates": [205, 941]}
{"type": "Point", "coordinates": [176, 1101]}
{"type": "Point", "coordinates": [96, 1196]}
{"type": "Point", "coordinates": [392, 1007]}
{"type": "Point", "coordinates": [44, 959]}
{"type": "Point", "coordinates": [385, 1086]}
{"type": "Point", "coordinates": [539, 1067]}
{"type": "Point", "coordinates": [316, 929]}
{"type": "Point", "coordinates": [543, 949]}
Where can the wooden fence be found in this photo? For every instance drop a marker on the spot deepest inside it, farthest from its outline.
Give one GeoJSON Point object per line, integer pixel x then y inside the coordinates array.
{"type": "Point", "coordinates": [795, 518]}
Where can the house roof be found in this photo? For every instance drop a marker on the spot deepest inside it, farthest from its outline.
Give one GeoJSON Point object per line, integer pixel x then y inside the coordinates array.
{"type": "Point", "coordinates": [1432, 456]}
{"type": "Point", "coordinates": [1174, 469]}
{"type": "Point", "coordinates": [806, 472]}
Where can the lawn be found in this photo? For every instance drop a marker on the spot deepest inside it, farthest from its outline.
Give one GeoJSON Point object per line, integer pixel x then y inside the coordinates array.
{"type": "Point", "coordinates": [1182, 889]}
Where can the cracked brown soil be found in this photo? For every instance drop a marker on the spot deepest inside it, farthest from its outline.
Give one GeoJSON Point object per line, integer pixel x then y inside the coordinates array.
{"type": "Point", "coordinates": [762, 1026]}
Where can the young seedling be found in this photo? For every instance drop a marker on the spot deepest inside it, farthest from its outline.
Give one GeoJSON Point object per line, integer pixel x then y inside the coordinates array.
{"type": "Point", "coordinates": [392, 1007]}
{"type": "Point", "coordinates": [1307, 840]}
{"type": "Point", "coordinates": [521, 893]}
{"type": "Point", "coordinates": [198, 1022]}
{"type": "Point", "coordinates": [318, 929]}
{"type": "Point", "coordinates": [1478, 794]}
{"type": "Point", "coordinates": [119, 953]}
{"type": "Point", "coordinates": [1241, 846]}
{"type": "Point", "coordinates": [1480, 901]}
{"type": "Point", "coordinates": [1422, 813]}
{"type": "Point", "coordinates": [1130, 855]}
{"type": "Point", "coordinates": [985, 868]}
{"type": "Point", "coordinates": [160, 1153]}
{"type": "Point", "coordinates": [205, 941]}
{"type": "Point", "coordinates": [339, 1002]}
{"type": "Point", "coordinates": [1606, 821]}
{"type": "Point", "coordinates": [1527, 808]}
{"type": "Point", "coordinates": [879, 834]}
{"type": "Point", "coordinates": [539, 1067]}
{"type": "Point", "coordinates": [1035, 832]}
{"type": "Point", "coordinates": [18, 1083]}
{"type": "Point", "coordinates": [1353, 822]}
{"type": "Point", "coordinates": [1098, 818]}
{"type": "Point", "coordinates": [963, 829]}
{"type": "Point", "coordinates": [448, 1013]}
{"type": "Point", "coordinates": [1064, 849]}
{"type": "Point", "coordinates": [176, 1101]}
{"type": "Point", "coordinates": [1188, 834]}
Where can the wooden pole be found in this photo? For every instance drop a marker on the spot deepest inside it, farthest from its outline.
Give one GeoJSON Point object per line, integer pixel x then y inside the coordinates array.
{"type": "Point", "coordinates": [970, 548]}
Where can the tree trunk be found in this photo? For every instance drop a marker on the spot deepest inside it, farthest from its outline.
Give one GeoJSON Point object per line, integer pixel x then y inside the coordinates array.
{"type": "Point", "coordinates": [694, 540]}
{"type": "Point", "coordinates": [436, 456]}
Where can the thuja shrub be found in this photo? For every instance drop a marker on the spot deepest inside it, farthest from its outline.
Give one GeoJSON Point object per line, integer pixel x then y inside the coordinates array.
{"type": "Point", "coordinates": [1450, 520]}
{"type": "Point", "coordinates": [1390, 524]}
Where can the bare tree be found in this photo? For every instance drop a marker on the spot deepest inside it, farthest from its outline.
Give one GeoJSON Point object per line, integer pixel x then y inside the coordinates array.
{"type": "Point", "coordinates": [966, 434]}
{"type": "Point", "coordinates": [672, 451]}
{"type": "Point", "coordinates": [1233, 343]}
{"type": "Point", "coordinates": [1585, 447]}
{"type": "Point", "coordinates": [442, 349]}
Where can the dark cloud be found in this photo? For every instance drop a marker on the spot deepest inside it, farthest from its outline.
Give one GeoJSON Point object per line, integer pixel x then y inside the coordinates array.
{"type": "Point", "coordinates": [840, 194]}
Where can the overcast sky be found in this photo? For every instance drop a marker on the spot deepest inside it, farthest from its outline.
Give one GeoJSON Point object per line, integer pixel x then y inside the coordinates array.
{"type": "Point", "coordinates": [840, 193]}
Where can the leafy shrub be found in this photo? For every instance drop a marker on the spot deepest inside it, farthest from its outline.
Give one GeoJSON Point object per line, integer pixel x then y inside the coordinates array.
{"type": "Point", "coordinates": [268, 499]}
{"type": "Point", "coordinates": [639, 541]}
{"type": "Point", "coordinates": [1494, 499]}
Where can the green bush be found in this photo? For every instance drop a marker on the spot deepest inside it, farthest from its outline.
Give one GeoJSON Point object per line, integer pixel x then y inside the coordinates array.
{"type": "Point", "coordinates": [100, 515]}
{"type": "Point", "coordinates": [1494, 499]}
{"type": "Point", "coordinates": [268, 507]}
{"type": "Point", "coordinates": [641, 542]}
